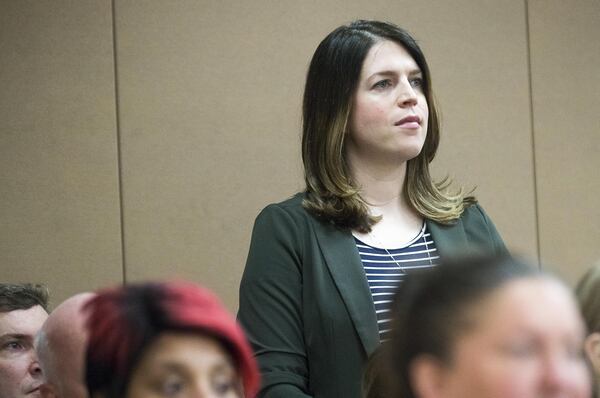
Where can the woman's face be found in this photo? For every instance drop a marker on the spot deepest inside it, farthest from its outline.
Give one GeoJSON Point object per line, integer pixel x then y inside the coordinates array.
{"type": "Point", "coordinates": [185, 365]}
{"type": "Point", "coordinates": [525, 342]}
{"type": "Point", "coordinates": [389, 111]}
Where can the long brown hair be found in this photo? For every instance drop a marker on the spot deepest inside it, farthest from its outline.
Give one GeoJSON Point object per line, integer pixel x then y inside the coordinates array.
{"type": "Point", "coordinates": [333, 74]}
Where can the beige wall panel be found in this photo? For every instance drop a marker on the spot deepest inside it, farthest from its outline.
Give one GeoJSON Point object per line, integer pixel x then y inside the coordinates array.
{"type": "Point", "coordinates": [478, 55]}
{"type": "Point", "coordinates": [210, 97]}
{"type": "Point", "coordinates": [565, 58]}
{"type": "Point", "coordinates": [59, 204]}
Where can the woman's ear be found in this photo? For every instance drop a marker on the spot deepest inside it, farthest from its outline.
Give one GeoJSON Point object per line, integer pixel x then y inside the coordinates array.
{"type": "Point", "coordinates": [592, 350]}
{"type": "Point", "coordinates": [427, 377]}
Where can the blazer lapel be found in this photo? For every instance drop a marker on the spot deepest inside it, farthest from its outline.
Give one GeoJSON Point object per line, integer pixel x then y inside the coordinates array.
{"type": "Point", "coordinates": [450, 239]}
{"type": "Point", "coordinates": [343, 261]}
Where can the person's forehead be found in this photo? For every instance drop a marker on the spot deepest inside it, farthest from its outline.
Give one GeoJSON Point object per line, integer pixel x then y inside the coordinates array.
{"type": "Point", "coordinates": [387, 52]}
{"type": "Point", "coordinates": [533, 304]}
{"type": "Point", "coordinates": [25, 322]}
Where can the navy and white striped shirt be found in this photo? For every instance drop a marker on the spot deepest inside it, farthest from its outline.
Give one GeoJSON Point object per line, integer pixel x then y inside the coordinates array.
{"type": "Point", "coordinates": [384, 275]}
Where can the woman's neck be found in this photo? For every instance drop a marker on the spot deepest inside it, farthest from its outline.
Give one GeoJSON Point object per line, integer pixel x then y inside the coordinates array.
{"type": "Point", "coordinates": [381, 187]}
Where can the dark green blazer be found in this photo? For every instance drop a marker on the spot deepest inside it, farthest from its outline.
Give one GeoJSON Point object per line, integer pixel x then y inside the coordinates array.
{"type": "Point", "coordinates": [305, 303]}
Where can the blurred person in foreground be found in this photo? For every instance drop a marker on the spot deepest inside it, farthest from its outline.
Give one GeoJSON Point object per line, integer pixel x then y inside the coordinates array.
{"type": "Point", "coordinates": [482, 327]}
{"type": "Point", "coordinates": [588, 295]}
{"type": "Point", "coordinates": [60, 347]}
{"type": "Point", "coordinates": [23, 310]}
{"type": "Point", "coordinates": [171, 339]}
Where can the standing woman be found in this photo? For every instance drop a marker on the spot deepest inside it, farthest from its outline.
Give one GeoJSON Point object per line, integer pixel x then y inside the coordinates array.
{"type": "Point", "coordinates": [323, 266]}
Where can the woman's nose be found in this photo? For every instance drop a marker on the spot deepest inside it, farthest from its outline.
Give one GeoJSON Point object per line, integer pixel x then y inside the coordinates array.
{"type": "Point", "coordinates": [407, 96]}
{"type": "Point", "coordinates": [559, 376]}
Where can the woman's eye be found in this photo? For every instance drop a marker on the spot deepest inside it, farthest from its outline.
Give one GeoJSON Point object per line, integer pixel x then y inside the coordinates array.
{"type": "Point", "coordinates": [520, 350]}
{"type": "Point", "coordinates": [416, 82]}
{"type": "Point", "coordinates": [171, 388]}
{"type": "Point", "coordinates": [225, 386]}
{"type": "Point", "coordinates": [383, 84]}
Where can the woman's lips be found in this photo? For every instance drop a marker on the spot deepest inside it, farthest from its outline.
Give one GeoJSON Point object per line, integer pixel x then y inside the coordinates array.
{"type": "Point", "coordinates": [410, 125]}
{"type": "Point", "coordinates": [409, 122]}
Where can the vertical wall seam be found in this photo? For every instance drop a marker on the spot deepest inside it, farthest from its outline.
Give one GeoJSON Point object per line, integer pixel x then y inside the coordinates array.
{"type": "Point", "coordinates": [532, 128]}
{"type": "Point", "coordinates": [119, 152]}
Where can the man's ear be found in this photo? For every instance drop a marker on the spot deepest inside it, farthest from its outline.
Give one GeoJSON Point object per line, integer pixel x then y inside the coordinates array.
{"type": "Point", "coordinates": [47, 391]}
{"type": "Point", "coordinates": [427, 377]}
{"type": "Point", "coordinates": [592, 350]}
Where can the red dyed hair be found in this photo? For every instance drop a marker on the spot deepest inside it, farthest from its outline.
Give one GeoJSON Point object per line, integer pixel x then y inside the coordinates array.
{"type": "Point", "coordinates": [124, 321]}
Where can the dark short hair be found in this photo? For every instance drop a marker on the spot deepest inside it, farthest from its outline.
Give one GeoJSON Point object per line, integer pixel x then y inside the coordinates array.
{"type": "Point", "coordinates": [22, 296]}
{"type": "Point", "coordinates": [124, 321]}
{"type": "Point", "coordinates": [432, 308]}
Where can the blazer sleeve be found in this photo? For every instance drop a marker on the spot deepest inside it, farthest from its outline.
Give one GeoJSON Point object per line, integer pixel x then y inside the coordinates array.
{"type": "Point", "coordinates": [270, 307]}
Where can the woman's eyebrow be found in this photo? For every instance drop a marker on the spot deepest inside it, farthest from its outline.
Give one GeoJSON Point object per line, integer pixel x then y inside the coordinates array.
{"type": "Point", "coordinates": [384, 73]}
{"type": "Point", "coordinates": [413, 72]}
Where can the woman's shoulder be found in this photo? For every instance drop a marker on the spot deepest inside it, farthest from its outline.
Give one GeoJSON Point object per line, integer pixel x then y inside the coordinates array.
{"type": "Point", "coordinates": [473, 228]}
{"type": "Point", "coordinates": [289, 210]}
{"type": "Point", "coordinates": [286, 222]}
{"type": "Point", "coordinates": [474, 214]}
{"type": "Point", "coordinates": [292, 206]}
{"type": "Point", "coordinates": [472, 221]}
{"type": "Point", "coordinates": [293, 202]}
{"type": "Point", "coordinates": [477, 224]}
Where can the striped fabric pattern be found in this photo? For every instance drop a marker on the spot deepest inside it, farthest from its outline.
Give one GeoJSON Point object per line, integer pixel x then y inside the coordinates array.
{"type": "Point", "coordinates": [384, 275]}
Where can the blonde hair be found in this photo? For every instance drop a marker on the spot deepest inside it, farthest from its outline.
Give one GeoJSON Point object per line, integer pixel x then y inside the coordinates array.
{"type": "Point", "coordinates": [331, 193]}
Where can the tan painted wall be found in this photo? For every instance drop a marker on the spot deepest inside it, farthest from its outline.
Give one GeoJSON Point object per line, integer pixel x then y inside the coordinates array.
{"type": "Point", "coordinates": [208, 104]}
{"type": "Point", "coordinates": [59, 201]}
{"type": "Point", "coordinates": [566, 98]}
